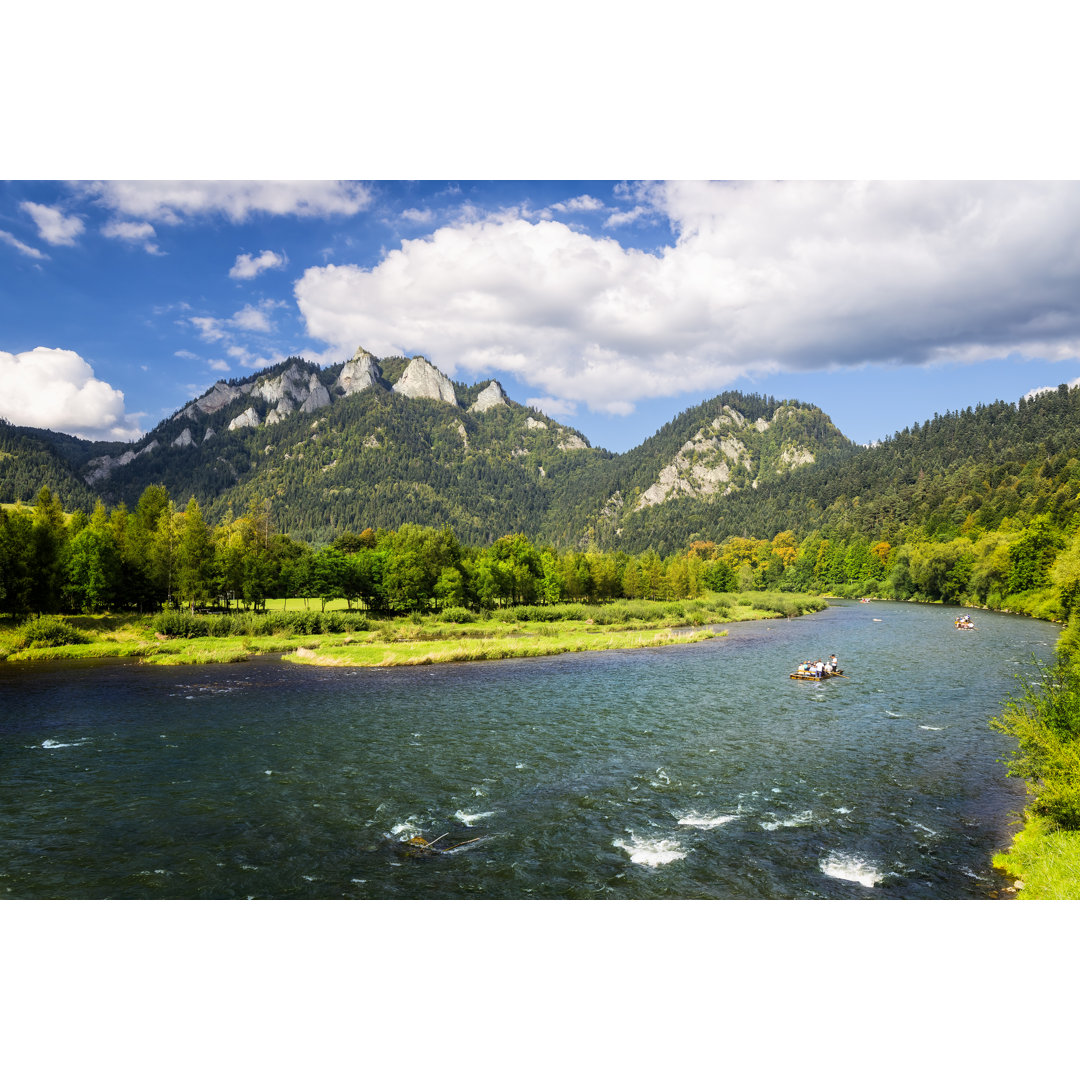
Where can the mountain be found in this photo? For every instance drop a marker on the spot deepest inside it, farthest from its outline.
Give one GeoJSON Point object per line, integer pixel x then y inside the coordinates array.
{"type": "Point", "coordinates": [32, 457]}
{"type": "Point", "coordinates": [382, 442]}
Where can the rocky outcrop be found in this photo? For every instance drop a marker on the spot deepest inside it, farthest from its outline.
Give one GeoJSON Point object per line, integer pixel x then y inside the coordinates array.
{"type": "Point", "coordinates": [570, 441]}
{"type": "Point", "coordinates": [219, 395]}
{"type": "Point", "coordinates": [729, 453]}
{"type": "Point", "coordinates": [317, 397]}
{"type": "Point", "coordinates": [209, 434]}
{"type": "Point", "coordinates": [531, 423]}
{"type": "Point", "coordinates": [248, 418]}
{"type": "Point", "coordinates": [100, 468]}
{"type": "Point", "coordinates": [794, 456]}
{"type": "Point", "coordinates": [360, 373]}
{"type": "Point", "coordinates": [703, 466]}
{"type": "Point", "coordinates": [422, 380]}
{"type": "Point", "coordinates": [491, 396]}
{"type": "Point", "coordinates": [184, 438]}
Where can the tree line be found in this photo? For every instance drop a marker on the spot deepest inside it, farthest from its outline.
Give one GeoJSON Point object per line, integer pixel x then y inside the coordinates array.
{"type": "Point", "coordinates": [160, 556]}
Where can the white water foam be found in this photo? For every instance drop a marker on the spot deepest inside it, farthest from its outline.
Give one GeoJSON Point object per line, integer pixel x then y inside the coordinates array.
{"type": "Point", "coordinates": [651, 852]}
{"type": "Point", "coordinates": [851, 868]}
{"type": "Point", "coordinates": [790, 823]}
{"type": "Point", "coordinates": [842, 810]}
{"type": "Point", "coordinates": [928, 727]}
{"type": "Point", "coordinates": [468, 819]}
{"type": "Point", "coordinates": [409, 825]}
{"type": "Point", "coordinates": [700, 822]}
{"type": "Point", "coordinates": [52, 744]}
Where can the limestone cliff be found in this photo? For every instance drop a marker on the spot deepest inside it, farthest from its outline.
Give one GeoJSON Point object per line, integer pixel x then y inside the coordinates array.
{"type": "Point", "coordinates": [422, 380]}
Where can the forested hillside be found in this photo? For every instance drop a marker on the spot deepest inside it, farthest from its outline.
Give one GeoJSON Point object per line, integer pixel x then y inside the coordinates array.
{"type": "Point", "coordinates": [31, 458]}
{"type": "Point", "coordinates": [385, 443]}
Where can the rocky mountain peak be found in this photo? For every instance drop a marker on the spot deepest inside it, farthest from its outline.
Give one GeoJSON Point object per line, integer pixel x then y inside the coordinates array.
{"type": "Point", "coordinates": [360, 373]}
{"type": "Point", "coordinates": [491, 396]}
{"type": "Point", "coordinates": [423, 380]}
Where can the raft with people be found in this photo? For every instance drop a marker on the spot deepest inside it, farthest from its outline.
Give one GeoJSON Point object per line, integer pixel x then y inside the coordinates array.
{"type": "Point", "coordinates": [963, 622]}
{"type": "Point", "coordinates": [818, 670]}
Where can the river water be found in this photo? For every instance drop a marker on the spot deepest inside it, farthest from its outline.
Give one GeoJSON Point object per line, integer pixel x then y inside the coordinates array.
{"type": "Point", "coordinates": [697, 771]}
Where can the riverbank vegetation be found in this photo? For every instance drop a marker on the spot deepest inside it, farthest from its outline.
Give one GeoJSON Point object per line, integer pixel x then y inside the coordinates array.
{"type": "Point", "coordinates": [1044, 720]}
{"type": "Point", "coordinates": [348, 637]}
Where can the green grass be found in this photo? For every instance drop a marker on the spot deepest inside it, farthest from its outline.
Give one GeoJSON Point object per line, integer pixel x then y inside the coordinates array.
{"type": "Point", "coordinates": [338, 637]}
{"type": "Point", "coordinates": [1045, 861]}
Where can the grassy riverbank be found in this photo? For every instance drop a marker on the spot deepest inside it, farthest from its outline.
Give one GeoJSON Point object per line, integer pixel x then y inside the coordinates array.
{"type": "Point", "coordinates": [1045, 722]}
{"type": "Point", "coordinates": [1045, 861]}
{"type": "Point", "coordinates": [355, 639]}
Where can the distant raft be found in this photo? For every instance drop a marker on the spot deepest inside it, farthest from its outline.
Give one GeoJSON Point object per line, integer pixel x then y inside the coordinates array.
{"type": "Point", "coordinates": [964, 623]}
{"type": "Point", "coordinates": [817, 678]}
{"type": "Point", "coordinates": [418, 846]}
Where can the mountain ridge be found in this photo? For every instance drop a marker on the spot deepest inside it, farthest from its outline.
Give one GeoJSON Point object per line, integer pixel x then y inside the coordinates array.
{"type": "Point", "coordinates": [344, 448]}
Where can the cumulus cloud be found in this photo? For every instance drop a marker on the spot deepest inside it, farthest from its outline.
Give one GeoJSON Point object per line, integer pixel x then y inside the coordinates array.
{"type": "Point", "coordinates": [18, 245]}
{"type": "Point", "coordinates": [578, 204]}
{"type": "Point", "coordinates": [251, 318]}
{"type": "Point", "coordinates": [761, 277]}
{"type": "Point", "coordinates": [248, 266]}
{"type": "Point", "coordinates": [1039, 390]}
{"type": "Point", "coordinates": [133, 232]}
{"type": "Point", "coordinates": [53, 225]}
{"type": "Point", "coordinates": [210, 329]}
{"type": "Point", "coordinates": [171, 202]}
{"type": "Point", "coordinates": [56, 389]}
{"type": "Point", "coordinates": [552, 406]}
{"type": "Point", "coordinates": [417, 216]}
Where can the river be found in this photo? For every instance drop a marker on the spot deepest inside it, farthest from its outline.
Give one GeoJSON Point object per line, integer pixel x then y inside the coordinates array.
{"type": "Point", "coordinates": [697, 771]}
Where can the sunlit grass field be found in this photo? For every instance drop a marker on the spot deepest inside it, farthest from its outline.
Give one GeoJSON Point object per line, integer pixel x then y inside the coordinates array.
{"type": "Point", "coordinates": [453, 635]}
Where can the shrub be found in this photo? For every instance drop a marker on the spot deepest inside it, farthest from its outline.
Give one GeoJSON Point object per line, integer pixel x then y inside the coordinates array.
{"type": "Point", "coordinates": [48, 630]}
{"type": "Point", "coordinates": [1045, 721]}
{"type": "Point", "coordinates": [458, 615]}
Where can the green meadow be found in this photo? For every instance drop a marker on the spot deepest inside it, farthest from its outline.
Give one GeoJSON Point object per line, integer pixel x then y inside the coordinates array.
{"type": "Point", "coordinates": [341, 636]}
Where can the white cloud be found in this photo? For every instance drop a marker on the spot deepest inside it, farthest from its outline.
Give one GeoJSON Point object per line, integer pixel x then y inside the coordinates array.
{"type": "Point", "coordinates": [578, 204]}
{"type": "Point", "coordinates": [254, 318]}
{"type": "Point", "coordinates": [133, 232]}
{"type": "Point", "coordinates": [1071, 383]}
{"type": "Point", "coordinates": [218, 365]}
{"type": "Point", "coordinates": [248, 266]}
{"type": "Point", "coordinates": [249, 318]}
{"type": "Point", "coordinates": [54, 227]}
{"type": "Point", "coordinates": [418, 217]}
{"type": "Point", "coordinates": [762, 277]}
{"type": "Point", "coordinates": [210, 329]}
{"type": "Point", "coordinates": [56, 389]}
{"type": "Point", "coordinates": [184, 354]}
{"type": "Point", "coordinates": [172, 201]}
{"type": "Point", "coordinates": [18, 245]}
{"type": "Point", "coordinates": [552, 406]}
{"type": "Point", "coordinates": [624, 217]}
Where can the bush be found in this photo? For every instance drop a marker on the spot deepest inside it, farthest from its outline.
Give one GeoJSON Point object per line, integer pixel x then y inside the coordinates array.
{"type": "Point", "coordinates": [1045, 721]}
{"type": "Point", "coordinates": [458, 615]}
{"type": "Point", "coordinates": [48, 630]}
{"type": "Point", "coordinates": [258, 623]}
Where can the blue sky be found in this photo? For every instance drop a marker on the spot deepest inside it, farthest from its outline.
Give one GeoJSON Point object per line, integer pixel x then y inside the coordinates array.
{"type": "Point", "coordinates": [610, 305]}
